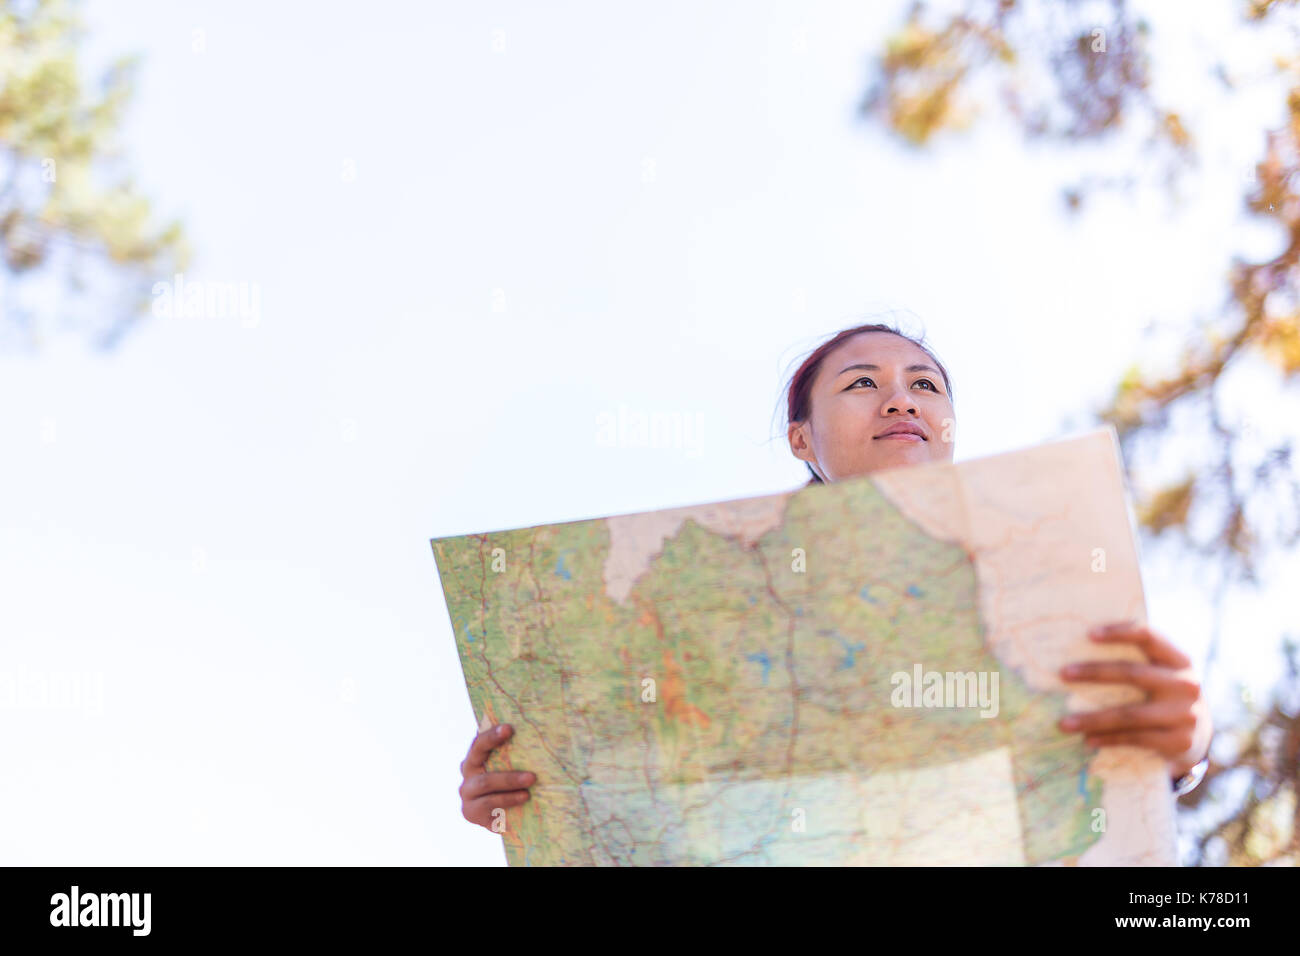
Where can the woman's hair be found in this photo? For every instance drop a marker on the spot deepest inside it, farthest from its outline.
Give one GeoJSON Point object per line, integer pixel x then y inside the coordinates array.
{"type": "Point", "coordinates": [799, 391]}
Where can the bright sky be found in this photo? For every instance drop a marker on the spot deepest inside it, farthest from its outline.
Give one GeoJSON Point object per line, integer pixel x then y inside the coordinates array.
{"type": "Point", "coordinates": [473, 231]}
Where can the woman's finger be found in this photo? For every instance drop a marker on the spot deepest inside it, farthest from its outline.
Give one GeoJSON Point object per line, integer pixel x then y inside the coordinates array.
{"type": "Point", "coordinates": [503, 781]}
{"type": "Point", "coordinates": [1169, 743]}
{"type": "Point", "coordinates": [480, 811]}
{"type": "Point", "coordinates": [1157, 649]}
{"type": "Point", "coordinates": [1151, 677]}
{"type": "Point", "coordinates": [1164, 713]}
{"type": "Point", "coordinates": [482, 746]}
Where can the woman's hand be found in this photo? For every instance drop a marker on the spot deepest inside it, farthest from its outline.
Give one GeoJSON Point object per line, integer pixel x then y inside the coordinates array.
{"type": "Point", "coordinates": [481, 792]}
{"type": "Point", "coordinates": [1174, 721]}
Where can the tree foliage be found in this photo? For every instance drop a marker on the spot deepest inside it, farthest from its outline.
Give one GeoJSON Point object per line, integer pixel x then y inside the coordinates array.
{"type": "Point", "coordinates": [1076, 73]}
{"type": "Point", "coordinates": [79, 244]}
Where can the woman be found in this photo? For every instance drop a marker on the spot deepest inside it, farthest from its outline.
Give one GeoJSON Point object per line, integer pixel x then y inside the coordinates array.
{"type": "Point", "coordinates": [871, 398]}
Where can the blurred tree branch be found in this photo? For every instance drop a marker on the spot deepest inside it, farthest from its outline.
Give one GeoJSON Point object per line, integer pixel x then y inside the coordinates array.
{"type": "Point", "coordinates": [70, 222]}
{"type": "Point", "coordinates": [1074, 72]}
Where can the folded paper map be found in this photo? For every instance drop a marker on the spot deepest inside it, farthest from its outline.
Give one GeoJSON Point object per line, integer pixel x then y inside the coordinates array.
{"type": "Point", "coordinates": [862, 672]}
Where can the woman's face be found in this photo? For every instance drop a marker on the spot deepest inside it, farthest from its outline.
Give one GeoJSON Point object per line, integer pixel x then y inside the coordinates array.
{"type": "Point", "coordinates": [865, 387]}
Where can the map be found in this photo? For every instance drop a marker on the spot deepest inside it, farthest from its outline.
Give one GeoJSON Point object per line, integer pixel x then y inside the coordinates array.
{"type": "Point", "coordinates": [857, 673]}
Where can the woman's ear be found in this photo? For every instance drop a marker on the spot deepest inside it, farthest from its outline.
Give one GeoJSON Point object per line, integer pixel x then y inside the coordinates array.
{"type": "Point", "coordinates": [800, 446]}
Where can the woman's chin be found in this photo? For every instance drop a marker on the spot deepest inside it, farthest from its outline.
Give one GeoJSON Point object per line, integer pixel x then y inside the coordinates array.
{"type": "Point", "coordinates": [892, 452]}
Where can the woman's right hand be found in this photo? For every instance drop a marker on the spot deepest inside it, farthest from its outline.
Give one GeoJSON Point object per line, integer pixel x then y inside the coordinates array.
{"type": "Point", "coordinates": [482, 792]}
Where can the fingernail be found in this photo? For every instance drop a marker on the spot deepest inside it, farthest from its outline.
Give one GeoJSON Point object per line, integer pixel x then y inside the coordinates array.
{"type": "Point", "coordinates": [1070, 723]}
{"type": "Point", "coordinates": [501, 729]}
{"type": "Point", "coordinates": [1070, 670]}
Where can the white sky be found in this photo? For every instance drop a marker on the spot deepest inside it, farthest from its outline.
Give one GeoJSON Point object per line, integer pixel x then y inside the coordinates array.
{"type": "Point", "coordinates": [228, 521]}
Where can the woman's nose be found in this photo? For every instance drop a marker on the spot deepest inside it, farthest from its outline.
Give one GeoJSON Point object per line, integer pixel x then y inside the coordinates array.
{"type": "Point", "coordinates": [899, 400]}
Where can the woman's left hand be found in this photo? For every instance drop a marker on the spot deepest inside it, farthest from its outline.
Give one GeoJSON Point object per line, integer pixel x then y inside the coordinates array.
{"type": "Point", "coordinates": [1174, 720]}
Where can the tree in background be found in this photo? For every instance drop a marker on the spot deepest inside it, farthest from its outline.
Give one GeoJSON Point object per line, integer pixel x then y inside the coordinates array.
{"type": "Point", "coordinates": [80, 249]}
{"type": "Point", "coordinates": [1075, 73]}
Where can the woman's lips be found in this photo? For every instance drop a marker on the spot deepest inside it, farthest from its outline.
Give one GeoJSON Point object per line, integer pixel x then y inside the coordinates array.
{"type": "Point", "coordinates": [900, 436]}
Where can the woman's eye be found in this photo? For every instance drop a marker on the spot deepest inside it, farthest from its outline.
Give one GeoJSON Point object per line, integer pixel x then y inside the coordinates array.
{"type": "Point", "coordinates": [864, 378]}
